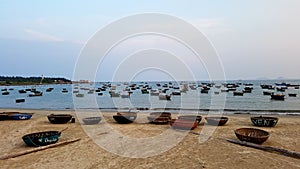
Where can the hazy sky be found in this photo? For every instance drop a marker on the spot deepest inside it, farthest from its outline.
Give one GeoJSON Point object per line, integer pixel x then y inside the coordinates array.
{"type": "Point", "coordinates": [254, 38]}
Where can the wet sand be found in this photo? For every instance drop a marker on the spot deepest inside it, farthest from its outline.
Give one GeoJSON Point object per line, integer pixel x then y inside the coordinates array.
{"type": "Point", "coordinates": [216, 152]}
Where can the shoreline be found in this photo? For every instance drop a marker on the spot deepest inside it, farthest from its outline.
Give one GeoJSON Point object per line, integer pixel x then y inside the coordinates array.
{"type": "Point", "coordinates": [175, 110]}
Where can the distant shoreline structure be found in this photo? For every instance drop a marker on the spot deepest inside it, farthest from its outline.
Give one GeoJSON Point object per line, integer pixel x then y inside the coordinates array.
{"type": "Point", "coordinates": [33, 80]}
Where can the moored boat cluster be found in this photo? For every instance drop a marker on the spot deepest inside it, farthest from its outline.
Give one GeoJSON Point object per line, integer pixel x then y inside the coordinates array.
{"type": "Point", "coordinates": [164, 91]}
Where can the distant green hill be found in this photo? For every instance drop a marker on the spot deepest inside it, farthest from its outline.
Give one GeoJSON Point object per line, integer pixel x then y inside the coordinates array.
{"type": "Point", "coordinates": [18, 80]}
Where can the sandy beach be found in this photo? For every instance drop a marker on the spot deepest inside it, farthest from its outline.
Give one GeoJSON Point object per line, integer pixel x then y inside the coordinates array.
{"type": "Point", "coordinates": [216, 152]}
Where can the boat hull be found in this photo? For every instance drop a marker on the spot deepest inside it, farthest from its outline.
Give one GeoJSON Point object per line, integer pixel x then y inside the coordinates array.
{"type": "Point", "coordinates": [41, 138]}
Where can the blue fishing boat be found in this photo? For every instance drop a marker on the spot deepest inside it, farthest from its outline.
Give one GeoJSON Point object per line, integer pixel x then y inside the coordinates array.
{"type": "Point", "coordinates": [41, 138]}
{"type": "Point", "coordinates": [20, 116]}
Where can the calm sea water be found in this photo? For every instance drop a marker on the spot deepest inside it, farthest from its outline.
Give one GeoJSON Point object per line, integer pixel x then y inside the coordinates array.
{"type": "Point", "coordinates": [191, 100]}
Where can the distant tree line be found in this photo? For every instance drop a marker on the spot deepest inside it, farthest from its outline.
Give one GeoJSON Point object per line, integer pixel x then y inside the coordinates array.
{"type": "Point", "coordinates": [19, 80]}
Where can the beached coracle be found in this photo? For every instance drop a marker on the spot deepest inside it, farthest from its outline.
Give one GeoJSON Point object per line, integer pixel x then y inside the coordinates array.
{"type": "Point", "coordinates": [16, 116]}
{"type": "Point", "coordinates": [3, 116]}
{"type": "Point", "coordinates": [159, 117]}
{"type": "Point", "coordinates": [216, 121]}
{"type": "Point", "coordinates": [252, 135]}
{"type": "Point", "coordinates": [125, 117]}
{"type": "Point", "coordinates": [183, 124]}
{"type": "Point", "coordinates": [91, 120]}
{"type": "Point", "coordinates": [191, 117]}
{"type": "Point", "coordinates": [158, 120]}
{"type": "Point", "coordinates": [264, 121]}
{"type": "Point", "coordinates": [41, 138]}
{"type": "Point", "coordinates": [59, 118]}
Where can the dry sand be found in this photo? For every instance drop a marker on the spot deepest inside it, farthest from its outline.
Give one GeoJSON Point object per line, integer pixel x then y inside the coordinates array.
{"type": "Point", "coordinates": [188, 153]}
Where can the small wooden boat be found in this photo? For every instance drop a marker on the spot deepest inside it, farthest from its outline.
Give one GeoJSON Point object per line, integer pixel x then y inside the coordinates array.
{"type": "Point", "coordinates": [252, 135]}
{"type": "Point", "coordinates": [127, 113]}
{"type": "Point", "coordinates": [264, 121]}
{"type": "Point", "coordinates": [292, 94]}
{"type": "Point", "coordinates": [248, 90]}
{"type": "Point", "coordinates": [204, 91]}
{"type": "Point", "coordinates": [176, 93]}
{"type": "Point", "coordinates": [269, 93]}
{"type": "Point", "coordinates": [224, 90]}
{"type": "Point", "coordinates": [216, 92]}
{"type": "Point", "coordinates": [183, 124]}
{"type": "Point", "coordinates": [277, 96]}
{"type": "Point", "coordinates": [191, 117]}
{"type": "Point", "coordinates": [79, 95]}
{"type": "Point", "coordinates": [232, 89]}
{"type": "Point", "coordinates": [161, 114]}
{"type": "Point", "coordinates": [91, 120]}
{"type": "Point", "coordinates": [22, 91]}
{"type": "Point", "coordinates": [19, 116]}
{"type": "Point", "coordinates": [236, 93]}
{"type": "Point", "coordinates": [5, 93]}
{"type": "Point", "coordinates": [64, 90]}
{"type": "Point", "coordinates": [164, 96]}
{"type": "Point", "coordinates": [59, 118]}
{"type": "Point", "coordinates": [266, 86]}
{"type": "Point", "coordinates": [36, 93]}
{"type": "Point", "coordinates": [41, 138]}
{"type": "Point", "coordinates": [125, 117]}
{"type": "Point", "coordinates": [216, 121]}
{"type": "Point", "coordinates": [159, 117]}
{"type": "Point", "coordinates": [20, 100]}
{"type": "Point", "coordinates": [48, 90]}
{"type": "Point", "coordinates": [114, 94]}
{"type": "Point", "coordinates": [158, 120]}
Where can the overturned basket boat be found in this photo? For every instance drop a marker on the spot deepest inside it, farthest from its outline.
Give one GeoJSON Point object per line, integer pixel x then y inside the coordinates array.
{"type": "Point", "coordinates": [216, 121]}
{"type": "Point", "coordinates": [159, 117]}
{"type": "Point", "coordinates": [183, 124]}
{"type": "Point", "coordinates": [127, 113]}
{"type": "Point", "coordinates": [158, 120]}
{"type": "Point", "coordinates": [125, 117]}
{"type": "Point", "coordinates": [161, 114]}
{"type": "Point", "coordinates": [252, 135]}
{"type": "Point", "coordinates": [59, 118]}
{"type": "Point", "coordinates": [191, 117]}
{"type": "Point", "coordinates": [41, 138]}
{"type": "Point", "coordinates": [264, 121]}
{"type": "Point", "coordinates": [91, 120]}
